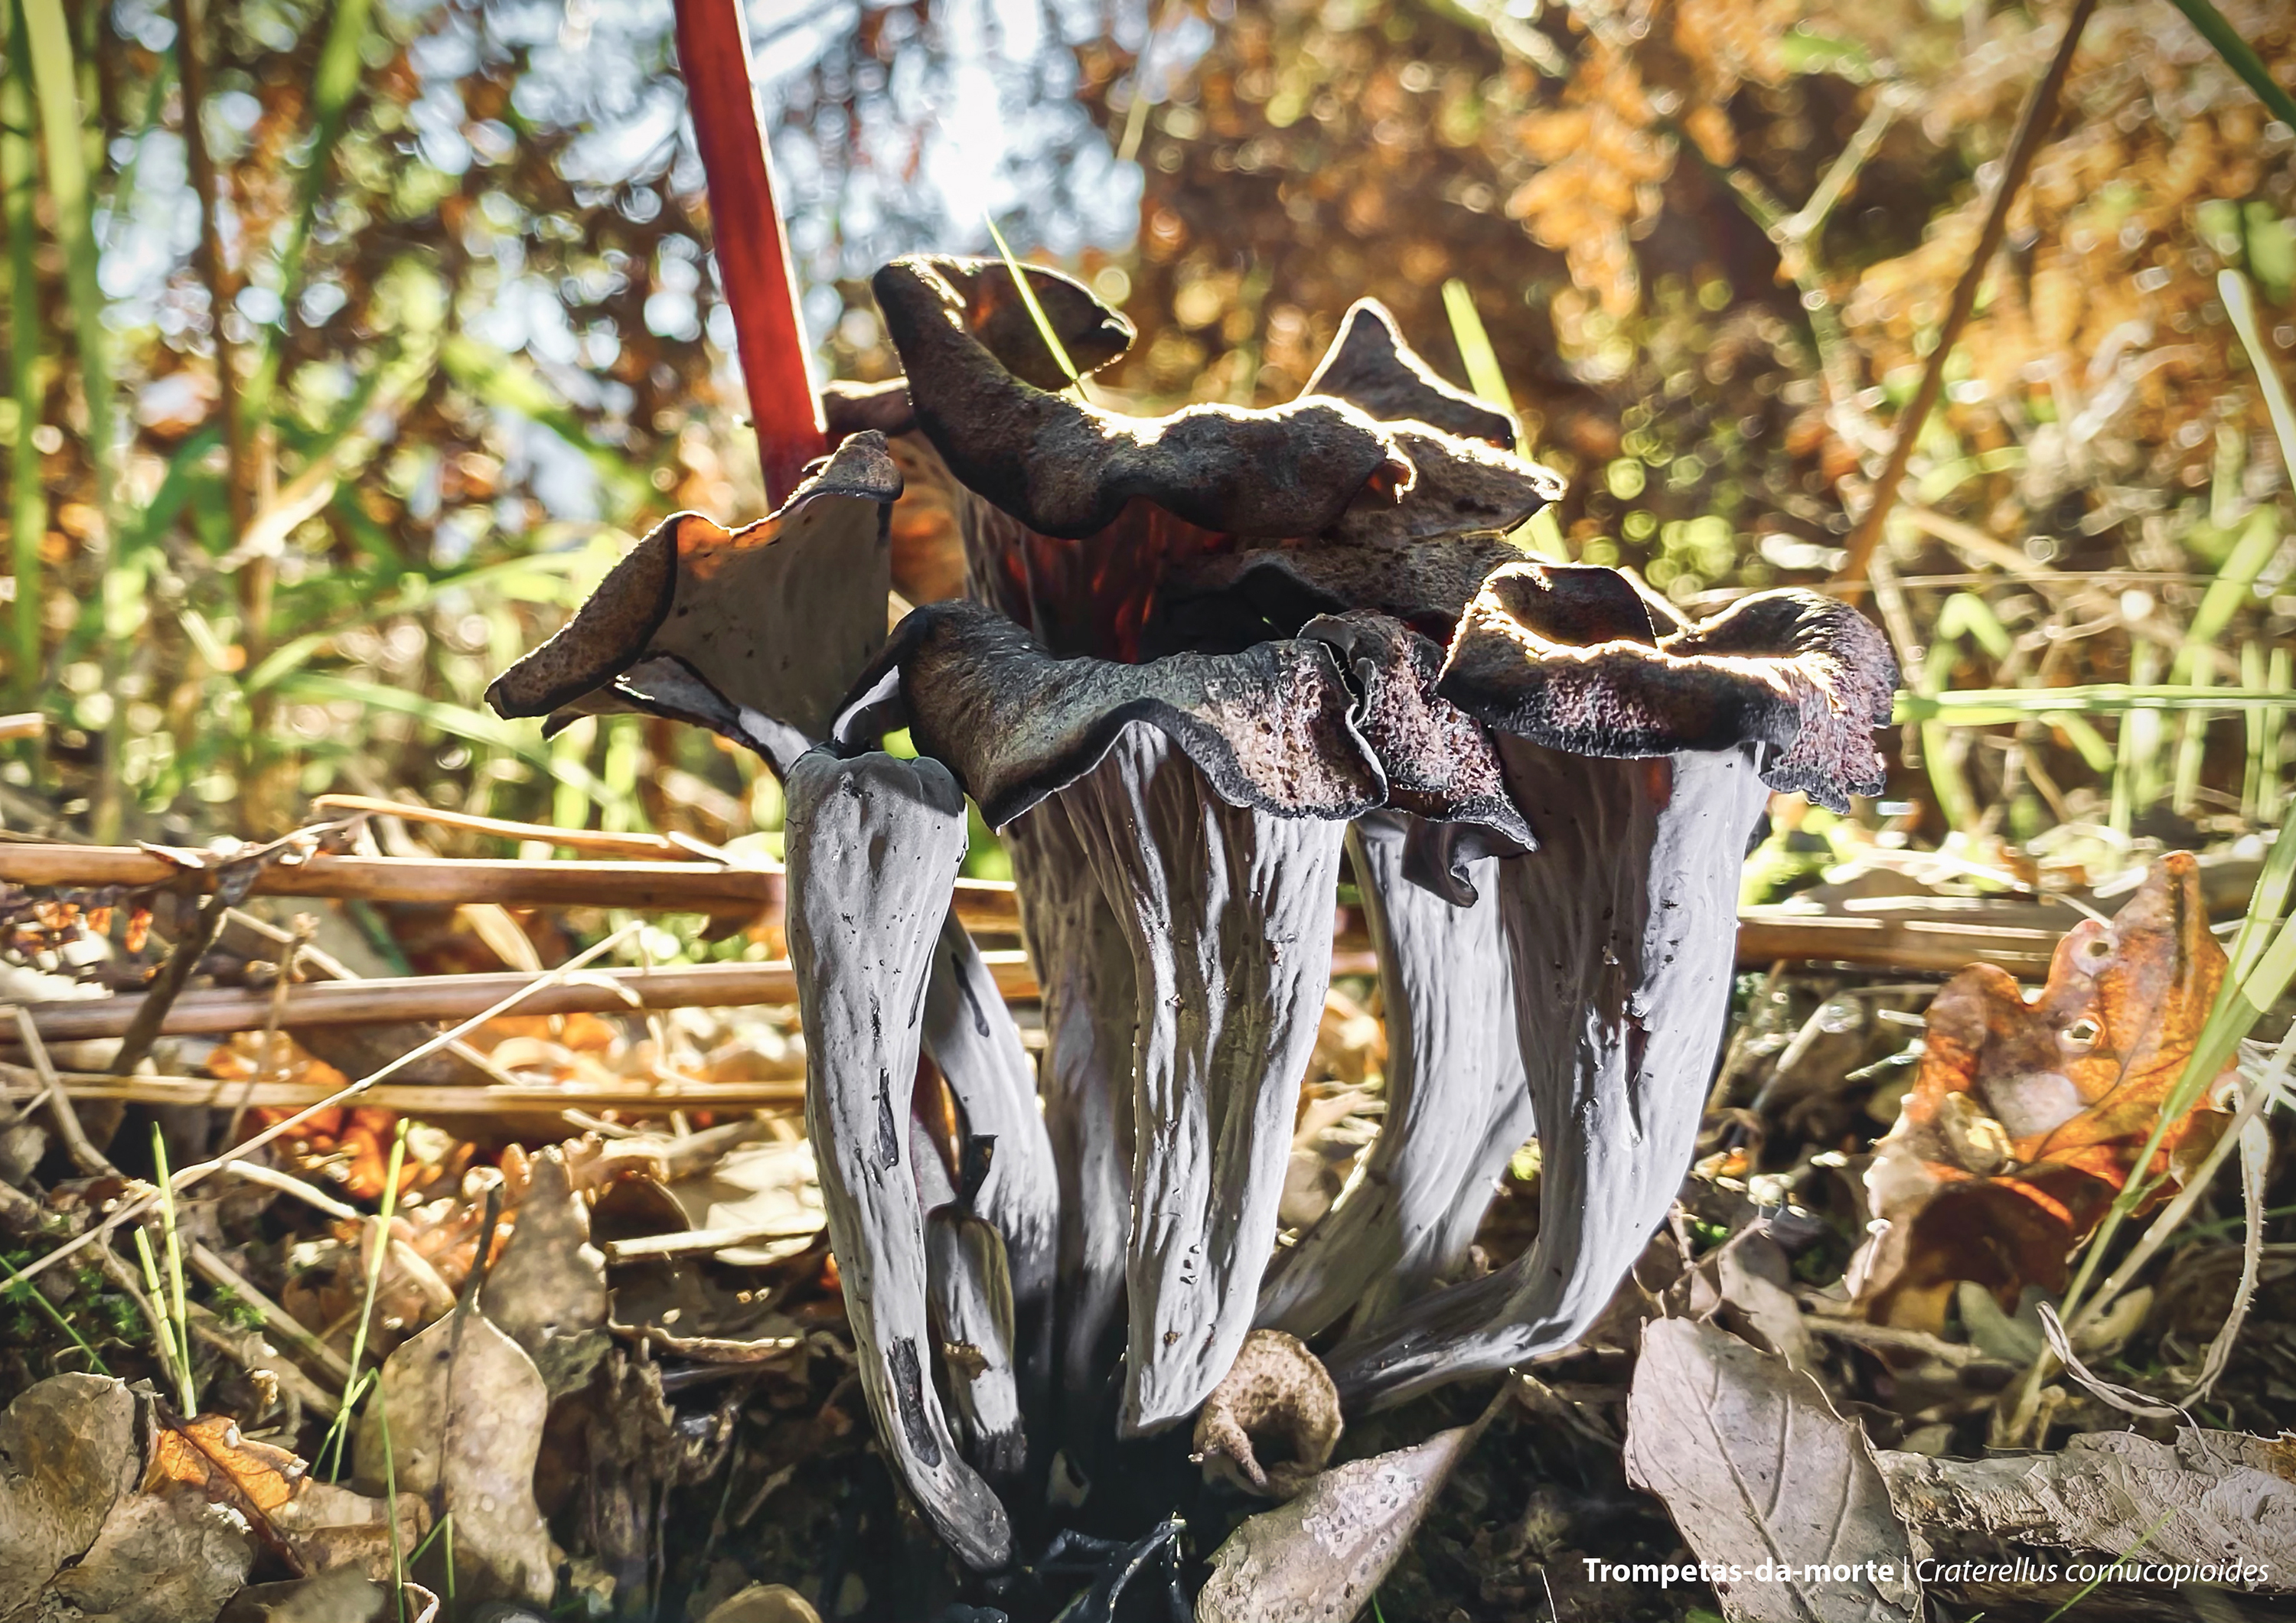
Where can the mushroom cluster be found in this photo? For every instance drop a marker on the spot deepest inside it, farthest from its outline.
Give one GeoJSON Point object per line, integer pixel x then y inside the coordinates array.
{"type": "Point", "coordinates": [1204, 664]}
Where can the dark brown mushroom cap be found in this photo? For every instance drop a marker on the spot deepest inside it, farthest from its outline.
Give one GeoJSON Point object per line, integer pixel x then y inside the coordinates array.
{"type": "Point", "coordinates": [1331, 724]}
{"type": "Point", "coordinates": [776, 618]}
{"type": "Point", "coordinates": [1438, 761]}
{"type": "Point", "coordinates": [1268, 727]}
{"type": "Point", "coordinates": [1382, 489]}
{"type": "Point", "coordinates": [1066, 469]}
{"type": "Point", "coordinates": [1579, 659]}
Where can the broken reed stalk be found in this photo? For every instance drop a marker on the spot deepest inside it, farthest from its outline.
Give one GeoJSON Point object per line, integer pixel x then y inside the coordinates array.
{"type": "Point", "coordinates": [641, 886]}
{"type": "Point", "coordinates": [2032, 126]}
{"type": "Point", "coordinates": [84, 1153]}
{"type": "Point", "coordinates": [131, 1208]}
{"type": "Point", "coordinates": [633, 846]}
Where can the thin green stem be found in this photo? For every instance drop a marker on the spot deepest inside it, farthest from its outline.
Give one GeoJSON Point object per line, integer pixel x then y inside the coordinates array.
{"type": "Point", "coordinates": [20, 1289]}
{"type": "Point", "coordinates": [28, 507]}
{"type": "Point", "coordinates": [336, 1432]}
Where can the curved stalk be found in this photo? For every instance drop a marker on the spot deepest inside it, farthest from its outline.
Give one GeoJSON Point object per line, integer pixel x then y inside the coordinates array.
{"type": "Point", "coordinates": [1228, 912]}
{"type": "Point", "coordinates": [1457, 1102]}
{"type": "Point", "coordinates": [873, 849]}
{"type": "Point", "coordinates": [1621, 929]}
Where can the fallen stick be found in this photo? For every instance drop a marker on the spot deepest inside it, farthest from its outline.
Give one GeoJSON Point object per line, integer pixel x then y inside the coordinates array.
{"type": "Point", "coordinates": [690, 885]}
{"type": "Point", "coordinates": [442, 997]}
{"type": "Point", "coordinates": [635, 1096]}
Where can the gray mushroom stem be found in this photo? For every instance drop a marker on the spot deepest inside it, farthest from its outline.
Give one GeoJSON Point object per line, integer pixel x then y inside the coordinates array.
{"type": "Point", "coordinates": [1083, 966]}
{"type": "Point", "coordinates": [874, 844]}
{"type": "Point", "coordinates": [1620, 929]}
{"type": "Point", "coordinates": [971, 1299]}
{"type": "Point", "coordinates": [1457, 1102]}
{"type": "Point", "coordinates": [970, 1035]}
{"type": "Point", "coordinates": [1228, 912]}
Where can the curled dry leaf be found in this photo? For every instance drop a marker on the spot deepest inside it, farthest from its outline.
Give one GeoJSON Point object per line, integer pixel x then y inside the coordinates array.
{"type": "Point", "coordinates": [2026, 1119]}
{"type": "Point", "coordinates": [459, 1414]}
{"type": "Point", "coordinates": [1755, 1467]}
{"type": "Point", "coordinates": [1273, 1421]}
{"type": "Point", "coordinates": [2208, 1498]}
{"type": "Point", "coordinates": [68, 1454]}
{"type": "Point", "coordinates": [168, 1557]}
{"type": "Point", "coordinates": [317, 1526]}
{"type": "Point", "coordinates": [1321, 1556]}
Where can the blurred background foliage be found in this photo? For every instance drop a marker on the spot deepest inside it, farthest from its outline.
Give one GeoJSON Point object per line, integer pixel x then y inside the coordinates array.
{"type": "Point", "coordinates": [348, 343]}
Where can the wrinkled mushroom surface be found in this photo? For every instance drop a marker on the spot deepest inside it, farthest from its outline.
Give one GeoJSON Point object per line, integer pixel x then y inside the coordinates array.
{"type": "Point", "coordinates": [1083, 957]}
{"type": "Point", "coordinates": [1228, 912]}
{"type": "Point", "coordinates": [1458, 1104]}
{"type": "Point", "coordinates": [874, 844]}
{"type": "Point", "coordinates": [1083, 525]}
{"type": "Point", "coordinates": [777, 618]}
{"type": "Point", "coordinates": [1621, 929]}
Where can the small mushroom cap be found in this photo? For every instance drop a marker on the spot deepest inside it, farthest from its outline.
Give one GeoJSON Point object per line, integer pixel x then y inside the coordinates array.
{"type": "Point", "coordinates": [1580, 659]}
{"type": "Point", "coordinates": [1273, 1421]}
{"type": "Point", "coordinates": [777, 618]}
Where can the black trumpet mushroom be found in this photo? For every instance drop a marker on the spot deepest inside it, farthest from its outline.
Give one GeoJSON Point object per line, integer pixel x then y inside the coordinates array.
{"type": "Point", "coordinates": [1202, 664]}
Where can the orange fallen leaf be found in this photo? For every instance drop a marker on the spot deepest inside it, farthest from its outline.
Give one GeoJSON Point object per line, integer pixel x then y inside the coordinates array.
{"type": "Point", "coordinates": [2026, 1118]}
{"type": "Point", "coordinates": [314, 1526]}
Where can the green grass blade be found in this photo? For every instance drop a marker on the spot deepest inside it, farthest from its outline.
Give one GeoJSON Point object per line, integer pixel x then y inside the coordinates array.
{"type": "Point", "coordinates": [178, 1309]}
{"type": "Point", "coordinates": [20, 1288]}
{"type": "Point", "coordinates": [28, 507]}
{"type": "Point", "coordinates": [1028, 291]}
{"type": "Point", "coordinates": [1994, 706]}
{"type": "Point", "coordinates": [1540, 533]}
{"type": "Point", "coordinates": [351, 1384]}
{"type": "Point", "coordinates": [2239, 56]}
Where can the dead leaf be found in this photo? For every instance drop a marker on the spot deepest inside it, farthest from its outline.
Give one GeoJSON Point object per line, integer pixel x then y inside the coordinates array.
{"type": "Point", "coordinates": [1320, 1556]}
{"type": "Point", "coordinates": [2210, 1498]}
{"type": "Point", "coordinates": [340, 1596]}
{"type": "Point", "coordinates": [68, 1455]}
{"type": "Point", "coordinates": [464, 1408]}
{"type": "Point", "coordinates": [1757, 1471]}
{"type": "Point", "coordinates": [1755, 1282]}
{"type": "Point", "coordinates": [317, 1526]}
{"type": "Point", "coordinates": [768, 1192]}
{"type": "Point", "coordinates": [548, 1290]}
{"type": "Point", "coordinates": [2025, 1119]}
{"type": "Point", "coordinates": [167, 1557]}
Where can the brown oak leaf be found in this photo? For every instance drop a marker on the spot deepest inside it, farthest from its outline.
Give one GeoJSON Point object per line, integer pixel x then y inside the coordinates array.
{"type": "Point", "coordinates": [2027, 1117]}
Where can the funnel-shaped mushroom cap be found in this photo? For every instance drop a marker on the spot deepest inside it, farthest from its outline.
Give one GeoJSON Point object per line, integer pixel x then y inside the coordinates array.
{"type": "Point", "coordinates": [1641, 750]}
{"type": "Point", "coordinates": [767, 625]}
{"type": "Point", "coordinates": [1341, 499]}
{"type": "Point", "coordinates": [1334, 723]}
{"type": "Point", "coordinates": [1577, 659]}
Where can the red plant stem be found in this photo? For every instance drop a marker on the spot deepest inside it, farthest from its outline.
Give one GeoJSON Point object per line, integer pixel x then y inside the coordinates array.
{"type": "Point", "coordinates": [753, 259]}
